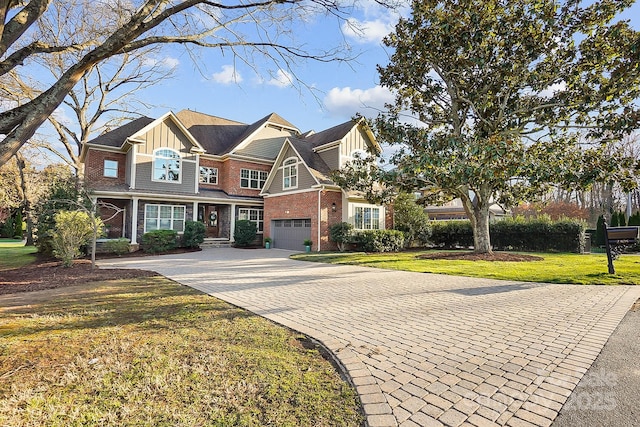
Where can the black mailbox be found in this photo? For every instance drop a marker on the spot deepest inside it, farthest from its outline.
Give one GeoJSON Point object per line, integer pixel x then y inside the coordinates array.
{"type": "Point", "coordinates": [616, 234]}
{"type": "Point", "coordinates": [619, 236]}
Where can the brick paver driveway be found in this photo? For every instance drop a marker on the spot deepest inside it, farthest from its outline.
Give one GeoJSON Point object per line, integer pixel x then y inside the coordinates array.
{"type": "Point", "coordinates": [422, 349]}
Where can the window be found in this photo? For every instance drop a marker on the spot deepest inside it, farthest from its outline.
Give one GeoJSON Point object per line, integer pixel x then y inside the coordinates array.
{"type": "Point", "coordinates": [367, 218]}
{"type": "Point", "coordinates": [111, 168]}
{"type": "Point", "coordinates": [252, 178]}
{"type": "Point", "coordinates": [290, 174]}
{"type": "Point", "coordinates": [208, 175]}
{"type": "Point", "coordinates": [166, 165]}
{"type": "Point", "coordinates": [164, 217]}
{"type": "Point", "coordinates": [254, 215]}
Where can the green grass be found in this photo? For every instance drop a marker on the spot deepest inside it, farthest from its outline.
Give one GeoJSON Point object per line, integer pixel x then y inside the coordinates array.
{"type": "Point", "coordinates": [149, 352]}
{"type": "Point", "coordinates": [14, 254]}
{"type": "Point", "coordinates": [585, 269]}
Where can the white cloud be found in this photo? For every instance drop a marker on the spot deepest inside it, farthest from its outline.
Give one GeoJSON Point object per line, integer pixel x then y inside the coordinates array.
{"type": "Point", "coordinates": [167, 62]}
{"type": "Point", "coordinates": [372, 31]}
{"type": "Point", "coordinates": [282, 79]}
{"type": "Point", "coordinates": [551, 90]}
{"type": "Point", "coordinates": [345, 102]}
{"type": "Point", "coordinates": [228, 75]}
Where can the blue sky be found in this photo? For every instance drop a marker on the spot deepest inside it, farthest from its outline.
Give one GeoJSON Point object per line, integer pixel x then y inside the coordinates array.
{"type": "Point", "coordinates": [336, 91]}
{"type": "Point", "coordinates": [217, 84]}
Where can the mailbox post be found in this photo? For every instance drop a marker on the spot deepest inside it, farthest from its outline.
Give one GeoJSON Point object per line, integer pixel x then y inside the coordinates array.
{"type": "Point", "coordinates": [617, 236]}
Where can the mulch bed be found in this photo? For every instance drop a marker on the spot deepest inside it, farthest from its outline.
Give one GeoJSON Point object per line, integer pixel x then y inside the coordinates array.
{"type": "Point", "coordinates": [471, 256]}
{"type": "Point", "coordinates": [47, 273]}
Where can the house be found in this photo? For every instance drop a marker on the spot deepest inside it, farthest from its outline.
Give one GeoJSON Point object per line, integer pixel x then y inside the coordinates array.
{"type": "Point", "coordinates": [154, 174]}
{"type": "Point", "coordinates": [455, 210]}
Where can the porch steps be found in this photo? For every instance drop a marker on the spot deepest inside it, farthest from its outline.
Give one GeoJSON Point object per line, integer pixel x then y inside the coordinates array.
{"type": "Point", "coordinates": [215, 243]}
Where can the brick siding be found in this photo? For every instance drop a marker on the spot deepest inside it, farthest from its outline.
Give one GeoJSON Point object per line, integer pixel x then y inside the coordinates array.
{"type": "Point", "coordinates": [94, 168]}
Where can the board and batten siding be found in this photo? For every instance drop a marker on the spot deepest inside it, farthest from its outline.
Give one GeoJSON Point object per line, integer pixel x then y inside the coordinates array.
{"type": "Point", "coordinates": [165, 135]}
{"type": "Point", "coordinates": [355, 140]}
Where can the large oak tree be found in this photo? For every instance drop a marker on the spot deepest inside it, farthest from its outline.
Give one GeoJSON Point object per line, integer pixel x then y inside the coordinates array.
{"type": "Point", "coordinates": [493, 99]}
{"type": "Point", "coordinates": [242, 28]}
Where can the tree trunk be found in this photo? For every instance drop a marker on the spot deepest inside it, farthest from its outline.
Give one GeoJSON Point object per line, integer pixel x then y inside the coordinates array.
{"type": "Point", "coordinates": [477, 211]}
{"type": "Point", "coordinates": [480, 225]}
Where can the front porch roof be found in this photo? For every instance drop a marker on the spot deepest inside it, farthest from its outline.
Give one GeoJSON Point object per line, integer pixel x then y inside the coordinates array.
{"type": "Point", "coordinates": [204, 196]}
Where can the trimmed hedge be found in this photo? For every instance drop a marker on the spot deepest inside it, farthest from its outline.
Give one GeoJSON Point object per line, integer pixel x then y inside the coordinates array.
{"type": "Point", "coordinates": [451, 234]}
{"type": "Point", "coordinates": [379, 240]}
{"type": "Point", "coordinates": [117, 246]}
{"type": "Point", "coordinates": [516, 234]}
{"type": "Point", "coordinates": [159, 241]}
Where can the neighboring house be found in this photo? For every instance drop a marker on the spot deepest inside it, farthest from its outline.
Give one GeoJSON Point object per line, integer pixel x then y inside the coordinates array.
{"type": "Point", "coordinates": [455, 210]}
{"type": "Point", "coordinates": [153, 174]}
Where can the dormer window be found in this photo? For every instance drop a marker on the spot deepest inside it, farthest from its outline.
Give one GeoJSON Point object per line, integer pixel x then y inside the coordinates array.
{"type": "Point", "coordinates": [166, 166]}
{"type": "Point", "coordinates": [290, 173]}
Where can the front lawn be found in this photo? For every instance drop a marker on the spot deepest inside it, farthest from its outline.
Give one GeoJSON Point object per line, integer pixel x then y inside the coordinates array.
{"type": "Point", "coordinates": [149, 352]}
{"type": "Point", "coordinates": [14, 254]}
{"type": "Point", "coordinates": [584, 269]}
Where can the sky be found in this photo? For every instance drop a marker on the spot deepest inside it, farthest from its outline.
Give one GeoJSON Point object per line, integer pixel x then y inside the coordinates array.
{"type": "Point", "coordinates": [331, 93]}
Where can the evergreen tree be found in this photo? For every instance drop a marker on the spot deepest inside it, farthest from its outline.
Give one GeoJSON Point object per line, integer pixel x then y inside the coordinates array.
{"type": "Point", "coordinates": [635, 219]}
{"type": "Point", "coordinates": [599, 240]}
{"type": "Point", "coordinates": [622, 220]}
{"type": "Point", "coordinates": [614, 220]}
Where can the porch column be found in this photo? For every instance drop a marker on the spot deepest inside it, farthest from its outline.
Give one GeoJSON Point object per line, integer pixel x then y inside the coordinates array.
{"type": "Point", "coordinates": [134, 222]}
{"type": "Point", "coordinates": [195, 211]}
{"type": "Point", "coordinates": [232, 225]}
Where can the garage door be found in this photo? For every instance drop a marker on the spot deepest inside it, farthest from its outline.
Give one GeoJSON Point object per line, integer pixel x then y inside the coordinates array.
{"type": "Point", "coordinates": [290, 233]}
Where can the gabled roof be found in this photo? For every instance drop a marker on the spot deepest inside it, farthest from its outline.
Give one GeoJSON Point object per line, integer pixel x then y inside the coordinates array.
{"type": "Point", "coordinates": [245, 139]}
{"type": "Point", "coordinates": [215, 134]}
{"type": "Point", "coordinates": [333, 134]}
{"type": "Point", "coordinates": [118, 136]}
{"type": "Point", "coordinates": [318, 168]}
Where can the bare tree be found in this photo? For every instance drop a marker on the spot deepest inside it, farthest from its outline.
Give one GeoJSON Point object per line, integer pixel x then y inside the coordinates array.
{"type": "Point", "coordinates": [244, 29]}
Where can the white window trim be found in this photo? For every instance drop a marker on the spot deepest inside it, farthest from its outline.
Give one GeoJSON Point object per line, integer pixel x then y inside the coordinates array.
{"type": "Point", "coordinates": [105, 169]}
{"type": "Point", "coordinates": [286, 166]}
{"type": "Point", "coordinates": [153, 166]}
{"type": "Point", "coordinates": [260, 187]}
{"type": "Point", "coordinates": [247, 211]}
{"type": "Point", "coordinates": [184, 217]}
{"type": "Point", "coordinates": [353, 208]}
{"type": "Point", "coordinates": [206, 182]}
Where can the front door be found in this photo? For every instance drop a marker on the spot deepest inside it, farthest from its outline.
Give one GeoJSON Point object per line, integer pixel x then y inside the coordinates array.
{"type": "Point", "coordinates": [211, 221]}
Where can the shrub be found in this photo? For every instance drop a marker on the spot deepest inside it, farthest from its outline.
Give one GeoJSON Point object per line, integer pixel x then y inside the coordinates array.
{"type": "Point", "coordinates": [73, 230]}
{"type": "Point", "coordinates": [599, 238]}
{"type": "Point", "coordinates": [159, 241]}
{"type": "Point", "coordinates": [245, 232]}
{"type": "Point", "coordinates": [193, 236]}
{"type": "Point", "coordinates": [451, 234]}
{"type": "Point", "coordinates": [412, 220]}
{"type": "Point", "coordinates": [117, 246]}
{"type": "Point", "coordinates": [19, 224]}
{"type": "Point", "coordinates": [635, 219]}
{"type": "Point", "coordinates": [379, 240]}
{"type": "Point", "coordinates": [8, 228]}
{"type": "Point", "coordinates": [516, 234]}
{"type": "Point", "coordinates": [614, 219]}
{"type": "Point", "coordinates": [341, 234]}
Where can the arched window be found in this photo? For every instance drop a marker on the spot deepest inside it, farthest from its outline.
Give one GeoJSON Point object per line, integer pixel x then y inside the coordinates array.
{"type": "Point", "coordinates": [290, 173]}
{"type": "Point", "coordinates": [166, 165]}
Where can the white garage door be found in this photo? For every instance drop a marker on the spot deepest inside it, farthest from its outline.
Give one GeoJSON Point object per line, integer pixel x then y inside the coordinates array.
{"type": "Point", "coordinates": [290, 233]}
